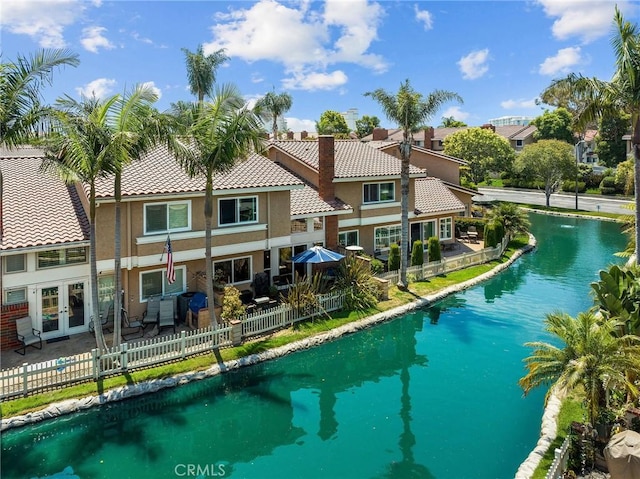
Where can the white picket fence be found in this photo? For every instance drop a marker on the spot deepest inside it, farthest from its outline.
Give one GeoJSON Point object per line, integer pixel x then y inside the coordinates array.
{"type": "Point", "coordinates": [560, 460]}
{"type": "Point", "coordinates": [449, 264]}
{"type": "Point", "coordinates": [29, 378]}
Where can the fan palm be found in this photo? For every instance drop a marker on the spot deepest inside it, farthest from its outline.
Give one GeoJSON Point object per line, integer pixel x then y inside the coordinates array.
{"type": "Point", "coordinates": [80, 149]}
{"type": "Point", "coordinates": [593, 357]}
{"type": "Point", "coordinates": [223, 132]}
{"type": "Point", "coordinates": [273, 105]}
{"type": "Point", "coordinates": [410, 111]}
{"type": "Point", "coordinates": [621, 93]}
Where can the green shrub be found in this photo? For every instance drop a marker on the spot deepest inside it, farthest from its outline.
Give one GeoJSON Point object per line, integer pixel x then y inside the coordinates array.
{"type": "Point", "coordinates": [354, 280]}
{"type": "Point", "coordinates": [606, 190]}
{"type": "Point", "coordinates": [433, 249]}
{"type": "Point", "coordinates": [493, 233]}
{"type": "Point", "coordinates": [417, 254]}
{"type": "Point", "coordinates": [608, 182]}
{"type": "Point", "coordinates": [232, 307]}
{"type": "Point", "coordinates": [394, 257]}
{"type": "Point", "coordinates": [377, 266]}
{"type": "Point", "coordinates": [570, 186]}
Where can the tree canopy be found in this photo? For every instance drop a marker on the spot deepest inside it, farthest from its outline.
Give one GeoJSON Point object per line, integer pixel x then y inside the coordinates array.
{"type": "Point", "coordinates": [547, 161]}
{"type": "Point", "coordinates": [366, 125]}
{"type": "Point", "coordinates": [554, 125]}
{"type": "Point", "coordinates": [272, 106]}
{"type": "Point", "coordinates": [610, 147]}
{"type": "Point", "coordinates": [451, 122]}
{"type": "Point", "coordinates": [482, 149]}
{"type": "Point", "coordinates": [332, 123]}
{"type": "Point", "coordinates": [201, 70]}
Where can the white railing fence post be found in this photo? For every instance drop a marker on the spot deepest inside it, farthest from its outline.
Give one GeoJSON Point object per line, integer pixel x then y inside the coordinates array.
{"type": "Point", "coordinates": [25, 379]}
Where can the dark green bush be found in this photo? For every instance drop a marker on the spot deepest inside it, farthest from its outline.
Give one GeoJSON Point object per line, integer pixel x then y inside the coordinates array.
{"type": "Point", "coordinates": [493, 233]}
{"type": "Point", "coordinates": [394, 257]}
{"type": "Point", "coordinates": [417, 254]}
{"type": "Point", "coordinates": [433, 249]}
{"type": "Point", "coordinates": [570, 186]}
{"type": "Point", "coordinates": [608, 182]}
{"type": "Point", "coordinates": [605, 190]}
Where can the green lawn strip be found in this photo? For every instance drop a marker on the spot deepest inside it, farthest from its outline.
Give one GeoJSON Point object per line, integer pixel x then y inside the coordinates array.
{"type": "Point", "coordinates": [594, 214]}
{"type": "Point", "coordinates": [572, 409]}
{"type": "Point", "coordinates": [298, 332]}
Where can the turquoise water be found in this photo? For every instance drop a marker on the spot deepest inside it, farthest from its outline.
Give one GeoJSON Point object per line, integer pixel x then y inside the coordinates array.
{"type": "Point", "coordinates": [431, 394]}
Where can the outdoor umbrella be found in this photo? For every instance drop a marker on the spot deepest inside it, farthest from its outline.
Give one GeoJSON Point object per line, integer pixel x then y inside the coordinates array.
{"type": "Point", "coordinates": [317, 254]}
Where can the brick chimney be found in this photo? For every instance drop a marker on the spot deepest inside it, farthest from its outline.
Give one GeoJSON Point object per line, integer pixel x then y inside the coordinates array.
{"type": "Point", "coordinates": [488, 126]}
{"type": "Point", "coordinates": [380, 134]}
{"type": "Point", "coordinates": [326, 167]}
{"type": "Point", "coordinates": [303, 134]}
{"type": "Point", "coordinates": [289, 135]}
{"type": "Point", "coordinates": [429, 133]}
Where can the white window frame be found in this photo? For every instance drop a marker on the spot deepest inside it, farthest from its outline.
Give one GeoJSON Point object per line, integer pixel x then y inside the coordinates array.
{"type": "Point", "coordinates": [345, 235]}
{"type": "Point", "coordinates": [5, 298]}
{"type": "Point", "coordinates": [378, 200]}
{"type": "Point", "coordinates": [237, 200]}
{"type": "Point", "coordinates": [163, 271]}
{"type": "Point", "coordinates": [425, 240]}
{"type": "Point", "coordinates": [233, 269]}
{"type": "Point", "coordinates": [62, 257]}
{"type": "Point", "coordinates": [445, 228]}
{"type": "Point", "coordinates": [6, 263]}
{"type": "Point", "coordinates": [168, 204]}
{"type": "Point", "coordinates": [397, 228]}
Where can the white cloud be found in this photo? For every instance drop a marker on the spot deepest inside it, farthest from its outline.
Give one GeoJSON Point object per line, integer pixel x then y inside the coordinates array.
{"type": "Point", "coordinates": [296, 124]}
{"type": "Point", "coordinates": [315, 80]}
{"type": "Point", "coordinates": [456, 113]}
{"type": "Point", "coordinates": [519, 103]}
{"type": "Point", "coordinates": [424, 16]}
{"type": "Point", "coordinates": [562, 62]}
{"type": "Point", "coordinates": [43, 20]}
{"type": "Point", "coordinates": [93, 38]}
{"type": "Point", "coordinates": [585, 19]}
{"type": "Point", "coordinates": [342, 32]}
{"type": "Point", "coordinates": [100, 88]}
{"type": "Point", "coordinates": [474, 65]}
{"type": "Point", "coordinates": [153, 86]}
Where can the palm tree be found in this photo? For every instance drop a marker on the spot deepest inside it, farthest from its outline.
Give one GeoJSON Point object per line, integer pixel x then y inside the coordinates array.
{"type": "Point", "coordinates": [592, 357]}
{"type": "Point", "coordinates": [223, 132]}
{"type": "Point", "coordinates": [273, 105]}
{"type": "Point", "coordinates": [201, 70]}
{"type": "Point", "coordinates": [513, 218]}
{"type": "Point", "coordinates": [79, 149]}
{"type": "Point", "coordinates": [20, 85]}
{"type": "Point", "coordinates": [134, 132]}
{"type": "Point", "coordinates": [621, 93]}
{"type": "Point", "coordinates": [410, 111]}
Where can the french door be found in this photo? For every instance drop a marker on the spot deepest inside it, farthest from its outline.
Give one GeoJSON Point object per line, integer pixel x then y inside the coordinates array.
{"type": "Point", "coordinates": [61, 307]}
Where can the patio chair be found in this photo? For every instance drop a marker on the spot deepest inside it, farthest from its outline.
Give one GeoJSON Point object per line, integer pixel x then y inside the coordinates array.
{"type": "Point", "coordinates": [27, 335]}
{"type": "Point", "coordinates": [150, 316]}
{"type": "Point", "coordinates": [106, 316]}
{"type": "Point", "coordinates": [166, 315]}
{"type": "Point", "coordinates": [136, 325]}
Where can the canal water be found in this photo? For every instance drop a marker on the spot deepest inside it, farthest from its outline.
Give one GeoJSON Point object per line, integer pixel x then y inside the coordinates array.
{"type": "Point", "coordinates": [432, 394]}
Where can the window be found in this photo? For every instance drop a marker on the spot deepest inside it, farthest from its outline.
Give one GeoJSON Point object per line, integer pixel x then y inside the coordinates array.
{"type": "Point", "coordinates": [519, 143]}
{"type": "Point", "coordinates": [318, 223]}
{"type": "Point", "coordinates": [154, 283]}
{"type": "Point", "coordinates": [348, 238]}
{"type": "Point", "coordinates": [61, 257]}
{"type": "Point", "coordinates": [17, 295]}
{"type": "Point", "coordinates": [106, 288]}
{"type": "Point", "coordinates": [15, 263]}
{"type": "Point", "coordinates": [299, 226]}
{"type": "Point", "coordinates": [232, 271]}
{"type": "Point", "coordinates": [233, 211]}
{"type": "Point", "coordinates": [379, 192]}
{"type": "Point", "coordinates": [445, 228]}
{"type": "Point", "coordinates": [387, 235]}
{"type": "Point", "coordinates": [428, 231]}
{"type": "Point", "coordinates": [167, 217]}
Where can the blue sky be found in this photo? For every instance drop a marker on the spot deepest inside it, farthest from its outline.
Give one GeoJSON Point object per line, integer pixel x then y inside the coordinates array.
{"type": "Point", "coordinates": [498, 56]}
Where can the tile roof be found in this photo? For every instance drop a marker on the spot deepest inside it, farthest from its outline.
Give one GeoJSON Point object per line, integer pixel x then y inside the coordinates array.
{"type": "Point", "coordinates": [386, 144]}
{"type": "Point", "coordinates": [158, 173]}
{"type": "Point", "coordinates": [38, 209]}
{"type": "Point", "coordinates": [353, 159]}
{"type": "Point", "coordinates": [433, 196]}
{"type": "Point", "coordinates": [307, 201]}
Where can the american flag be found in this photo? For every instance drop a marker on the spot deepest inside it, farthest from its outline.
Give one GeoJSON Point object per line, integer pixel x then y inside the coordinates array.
{"type": "Point", "coordinates": [171, 272]}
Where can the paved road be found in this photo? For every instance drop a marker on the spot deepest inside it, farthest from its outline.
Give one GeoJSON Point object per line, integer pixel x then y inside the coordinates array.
{"type": "Point", "coordinates": [559, 200]}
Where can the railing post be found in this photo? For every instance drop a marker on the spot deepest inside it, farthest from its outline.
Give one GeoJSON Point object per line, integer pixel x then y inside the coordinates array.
{"type": "Point", "coordinates": [25, 379]}
{"type": "Point", "coordinates": [183, 344]}
{"type": "Point", "coordinates": [124, 356]}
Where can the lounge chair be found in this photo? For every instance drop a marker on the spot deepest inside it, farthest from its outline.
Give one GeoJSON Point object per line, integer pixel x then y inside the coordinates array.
{"type": "Point", "coordinates": [136, 325]}
{"type": "Point", "coordinates": [166, 316]}
{"type": "Point", "coordinates": [150, 316]}
{"type": "Point", "coordinates": [27, 335]}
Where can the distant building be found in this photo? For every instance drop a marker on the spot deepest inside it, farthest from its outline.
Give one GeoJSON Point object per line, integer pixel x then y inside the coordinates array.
{"type": "Point", "coordinates": [511, 121]}
{"type": "Point", "coordinates": [350, 116]}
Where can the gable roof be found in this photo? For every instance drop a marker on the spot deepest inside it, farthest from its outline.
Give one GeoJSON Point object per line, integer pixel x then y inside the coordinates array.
{"type": "Point", "coordinates": [384, 145]}
{"type": "Point", "coordinates": [433, 196]}
{"type": "Point", "coordinates": [158, 173]}
{"type": "Point", "coordinates": [353, 159]}
{"type": "Point", "coordinates": [38, 209]}
{"type": "Point", "coordinates": [307, 201]}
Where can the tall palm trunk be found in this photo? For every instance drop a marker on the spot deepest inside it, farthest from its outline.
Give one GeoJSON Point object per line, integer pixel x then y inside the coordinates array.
{"type": "Point", "coordinates": [117, 282]}
{"type": "Point", "coordinates": [208, 219]}
{"type": "Point", "coordinates": [95, 308]}
{"type": "Point", "coordinates": [635, 146]}
{"type": "Point", "coordinates": [405, 153]}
